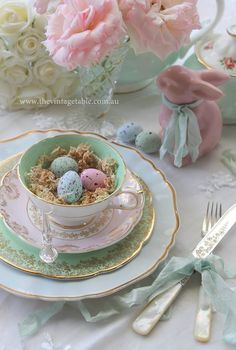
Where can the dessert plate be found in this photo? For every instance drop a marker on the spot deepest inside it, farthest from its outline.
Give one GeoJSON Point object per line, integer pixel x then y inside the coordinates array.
{"type": "Point", "coordinates": [24, 219]}
{"type": "Point", "coordinates": [146, 262]}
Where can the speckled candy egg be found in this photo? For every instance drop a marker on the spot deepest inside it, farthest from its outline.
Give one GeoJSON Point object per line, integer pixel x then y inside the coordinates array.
{"type": "Point", "coordinates": [92, 179]}
{"type": "Point", "coordinates": [63, 164]}
{"type": "Point", "coordinates": [128, 132]}
{"type": "Point", "coordinates": [148, 142]}
{"type": "Point", "coordinates": [70, 187]}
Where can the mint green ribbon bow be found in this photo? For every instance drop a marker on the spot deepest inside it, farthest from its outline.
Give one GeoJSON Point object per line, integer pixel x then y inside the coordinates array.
{"type": "Point", "coordinates": [182, 136]}
{"type": "Point", "coordinates": [213, 272]}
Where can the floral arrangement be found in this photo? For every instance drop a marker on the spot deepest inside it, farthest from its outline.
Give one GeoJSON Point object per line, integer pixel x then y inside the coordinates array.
{"type": "Point", "coordinates": [28, 76]}
{"type": "Point", "coordinates": [37, 65]}
{"type": "Point", "coordinates": [83, 32]}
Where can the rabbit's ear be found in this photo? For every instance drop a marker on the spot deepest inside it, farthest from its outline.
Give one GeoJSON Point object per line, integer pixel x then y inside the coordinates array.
{"type": "Point", "coordinates": [206, 91]}
{"type": "Point", "coordinates": [175, 77]}
{"type": "Point", "coordinates": [164, 82]}
{"type": "Point", "coordinates": [214, 77]}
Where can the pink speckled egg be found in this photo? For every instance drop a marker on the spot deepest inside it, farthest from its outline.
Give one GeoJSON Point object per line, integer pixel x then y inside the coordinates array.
{"type": "Point", "coordinates": [92, 179]}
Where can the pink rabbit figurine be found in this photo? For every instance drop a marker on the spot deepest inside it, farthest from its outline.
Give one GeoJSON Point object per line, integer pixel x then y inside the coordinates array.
{"type": "Point", "coordinates": [189, 116]}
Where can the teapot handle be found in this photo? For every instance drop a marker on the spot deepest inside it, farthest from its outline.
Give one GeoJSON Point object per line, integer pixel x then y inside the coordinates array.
{"type": "Point", "coordinates": [197, 35]}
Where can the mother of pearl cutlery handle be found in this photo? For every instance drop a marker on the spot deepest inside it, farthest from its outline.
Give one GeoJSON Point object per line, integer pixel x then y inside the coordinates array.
{"type": "Point", "coordinates": [153, 312]}
{"type": "Point", "coordinates": [202, 327]}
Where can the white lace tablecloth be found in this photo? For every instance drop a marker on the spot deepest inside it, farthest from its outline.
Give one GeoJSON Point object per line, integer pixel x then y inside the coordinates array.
{"type": "Point", "coordinates": [194, 185]}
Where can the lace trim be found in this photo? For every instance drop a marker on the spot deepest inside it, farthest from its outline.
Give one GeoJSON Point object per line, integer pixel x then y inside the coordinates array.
{"type": "Point", "coordinates": [49, 344]}
{"type": "Point", "coordinates": [106, 126]}
{"type": "Point", "coordinates": [216, 182]}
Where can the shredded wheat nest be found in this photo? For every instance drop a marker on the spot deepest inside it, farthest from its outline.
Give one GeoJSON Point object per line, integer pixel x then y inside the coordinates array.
{"type": "Point", "coordinates": [43, 183]}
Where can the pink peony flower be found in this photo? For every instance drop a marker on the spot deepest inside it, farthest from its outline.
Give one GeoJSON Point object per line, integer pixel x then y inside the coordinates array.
{"type": "Point", "coordinates": [41, 6]}
{"type": "Point", "coordinates": [83, 32]}
{"type": "Point", "coordinates": [159, 26]}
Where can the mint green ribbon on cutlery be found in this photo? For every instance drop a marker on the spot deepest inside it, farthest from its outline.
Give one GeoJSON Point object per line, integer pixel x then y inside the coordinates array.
{"type": "Point", "coordinates": [182, 136]}
{"type": "Point", "coordinates": [213, 272]}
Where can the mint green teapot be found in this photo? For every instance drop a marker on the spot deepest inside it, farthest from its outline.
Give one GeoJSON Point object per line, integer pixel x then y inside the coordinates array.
{"type": "Point", "coordinates": [218, 51]}
{"type": "Point", "coordinates": [139, 70]}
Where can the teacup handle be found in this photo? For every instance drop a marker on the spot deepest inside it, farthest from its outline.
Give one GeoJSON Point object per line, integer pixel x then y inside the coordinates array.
{"type": "Point", "coordinates": [121, 204]}
{"type": "Point", "coordinates": [205, 30]}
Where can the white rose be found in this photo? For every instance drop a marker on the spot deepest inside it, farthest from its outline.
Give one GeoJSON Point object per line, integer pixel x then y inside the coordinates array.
{"type": "Point", "coordinates": [4, 52]}
{"type": "Point", "coordinates": [46, 71]}
{"type": "Point", "coordinates": [33, 96]}
{"type": "Point", "coordinates": [29, 45]}
{"type": "Point", "coordinates": [15, 16]}
{"type": "Point", "coordinates": [66, 86]}
{"type": "Point", "coordinates": [3, 45]}
{"type": "Point", "coordinates": [16, 72]}
{"type": "Point", "coordinates": [7, 94]}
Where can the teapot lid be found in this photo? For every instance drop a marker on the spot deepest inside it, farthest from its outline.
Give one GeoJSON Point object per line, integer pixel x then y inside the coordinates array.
{"type": "Point", "coordinates": [218, 51]}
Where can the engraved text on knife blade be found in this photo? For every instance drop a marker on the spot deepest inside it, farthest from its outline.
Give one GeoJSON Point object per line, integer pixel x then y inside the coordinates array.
{"type": "Point", "coordinates": [216, 234]}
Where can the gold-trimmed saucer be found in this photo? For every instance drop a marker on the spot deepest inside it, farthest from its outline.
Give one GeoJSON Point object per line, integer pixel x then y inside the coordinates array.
{"type": "Point", "coordinates": [24, 219]}
{"type": "Point", "coordinates": [25, 257]}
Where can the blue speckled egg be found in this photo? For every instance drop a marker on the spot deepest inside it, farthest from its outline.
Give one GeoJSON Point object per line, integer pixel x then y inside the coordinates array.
{"type": "Point", "coordinates": [61, 165]}
{"type": "Point", "coordinates": [70, 187]}
{"type": "Point", "coordinates": [128, 132]}
{"type": "Point", "coordinates": [148, 142]}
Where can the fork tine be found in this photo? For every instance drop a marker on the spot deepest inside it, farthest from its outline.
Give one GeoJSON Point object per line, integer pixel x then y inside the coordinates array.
{"type": "Point", "coordinates": [211, 218]}
{"type": "Point", "coordinates": [206, 220]}
{"type": "Point", "coordinates": [213, 214]}
{"type": "Point", "coordinates": [220, 214]}
{"type": "Point", "coordinates": [216, 214]}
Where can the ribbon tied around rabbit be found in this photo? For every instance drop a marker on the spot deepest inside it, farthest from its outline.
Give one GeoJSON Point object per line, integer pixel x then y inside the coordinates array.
{"type": "Point", "coordinates": [182, 136]}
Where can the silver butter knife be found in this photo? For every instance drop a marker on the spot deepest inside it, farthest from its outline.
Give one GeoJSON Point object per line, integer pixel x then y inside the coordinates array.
{"type": "Point", "coordinates": [156, 308]}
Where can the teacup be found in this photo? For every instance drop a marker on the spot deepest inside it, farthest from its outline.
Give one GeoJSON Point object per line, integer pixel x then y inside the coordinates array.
{"type": "Point", "coordinates": [74, 215]}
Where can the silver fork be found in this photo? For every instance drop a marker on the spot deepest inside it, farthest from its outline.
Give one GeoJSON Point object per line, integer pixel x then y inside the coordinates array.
{"type": "Point", "coordinates": [213, 214]}
{"type": "Point", "coordinates": [202, 326]}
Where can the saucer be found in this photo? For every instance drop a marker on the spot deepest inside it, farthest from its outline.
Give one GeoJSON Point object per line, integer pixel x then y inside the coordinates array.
{"type": "Point", "coordinates": [24, 219]}
{"type": "Point", "coordinates": [17, 251]}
